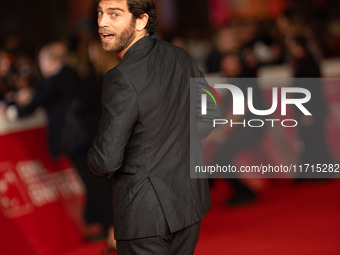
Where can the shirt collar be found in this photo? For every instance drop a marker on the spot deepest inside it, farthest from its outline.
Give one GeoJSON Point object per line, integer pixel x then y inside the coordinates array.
{"type": "Point", "coordinates": [142, 43]}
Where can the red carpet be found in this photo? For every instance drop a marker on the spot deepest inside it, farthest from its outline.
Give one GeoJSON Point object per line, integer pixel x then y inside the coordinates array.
{"type": "Point", "coordinates": [291, 219]}
{"type": "Point", "coordinates": [288, 219]}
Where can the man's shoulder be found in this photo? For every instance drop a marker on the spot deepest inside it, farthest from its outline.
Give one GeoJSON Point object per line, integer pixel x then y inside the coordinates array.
{"type": "Point", "coordinates": [165, 46]}
{"type": "Point", "coordinates": [114, 72]}
{"type": "Point", "coordinates": [162, 53]}
{"type": "Point", "coordinates": [116, 77]}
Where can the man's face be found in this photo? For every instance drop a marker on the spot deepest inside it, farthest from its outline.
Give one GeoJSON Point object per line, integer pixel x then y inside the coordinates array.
{"type": "Point", "coordinates": [117, 27]}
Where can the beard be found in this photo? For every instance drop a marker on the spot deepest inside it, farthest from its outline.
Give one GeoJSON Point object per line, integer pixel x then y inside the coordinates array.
{"type": "Point", "coordinates": [123, 40]}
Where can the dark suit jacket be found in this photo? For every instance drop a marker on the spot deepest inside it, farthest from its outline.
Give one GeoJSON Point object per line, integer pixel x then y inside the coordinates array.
{"type": "Point", "coordinates": [55, 95]}
{"type": "Point", "coordinates": [144, 143]}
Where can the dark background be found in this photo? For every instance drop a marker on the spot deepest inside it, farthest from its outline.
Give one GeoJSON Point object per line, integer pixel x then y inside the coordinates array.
{"type": "Point", "coordinates": [35, 22]}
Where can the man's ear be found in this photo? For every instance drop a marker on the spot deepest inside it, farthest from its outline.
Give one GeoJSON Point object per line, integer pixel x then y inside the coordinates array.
{"type": "Point", "coordinates": [142, 21]}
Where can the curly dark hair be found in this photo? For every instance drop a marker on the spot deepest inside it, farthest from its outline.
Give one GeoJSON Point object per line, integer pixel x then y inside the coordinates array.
{"type": "Point", "coordinates": [139, 7]}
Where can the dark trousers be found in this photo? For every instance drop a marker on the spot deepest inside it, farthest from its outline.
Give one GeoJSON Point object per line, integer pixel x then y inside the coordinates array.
{"type": "Point", "coordinates": [182, 242]}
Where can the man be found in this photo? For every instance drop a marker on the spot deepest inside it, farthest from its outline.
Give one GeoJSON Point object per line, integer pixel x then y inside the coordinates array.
{"type": "Point", "coordinates": [143, 139]}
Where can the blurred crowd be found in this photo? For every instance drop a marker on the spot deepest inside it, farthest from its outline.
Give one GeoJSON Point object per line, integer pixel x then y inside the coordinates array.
{"type": "Point", "coordinates": [257, 42]}
{"type": "Point", "coordinates": [251, 42]}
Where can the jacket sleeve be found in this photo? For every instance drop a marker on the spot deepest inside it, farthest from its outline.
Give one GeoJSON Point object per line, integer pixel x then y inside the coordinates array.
{"type": "Point", "coordinates": [120, 112]}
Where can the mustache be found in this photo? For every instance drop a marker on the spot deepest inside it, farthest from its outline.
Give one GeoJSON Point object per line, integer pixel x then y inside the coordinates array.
{"type": "Point", "coordinates": [103, 31]}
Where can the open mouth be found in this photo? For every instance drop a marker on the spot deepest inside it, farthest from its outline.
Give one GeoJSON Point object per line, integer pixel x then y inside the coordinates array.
{"type": "Point", "coordinates": [106, 37]}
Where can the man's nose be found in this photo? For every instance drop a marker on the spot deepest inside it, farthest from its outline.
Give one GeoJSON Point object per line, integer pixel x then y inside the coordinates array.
{"type": "Point", "coordinates": [103, 20]}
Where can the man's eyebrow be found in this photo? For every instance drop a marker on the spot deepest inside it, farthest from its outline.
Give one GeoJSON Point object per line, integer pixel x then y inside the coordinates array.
{"type": "Point", "coordinates": [99, 8]}
{"type": "Point", "coordinates": [115, 9]}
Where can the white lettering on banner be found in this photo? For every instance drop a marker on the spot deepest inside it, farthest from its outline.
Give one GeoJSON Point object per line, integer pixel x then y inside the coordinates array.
{"type": "Point", "coordinates": [44, 187]}
{"type": "Point", "coordinates": [43, 193]}
{"type": "Point", "coordinates": [68, 183]}
{"type": "Point", "coordinates": [40, 187]}
{"type": "Point", "coordinates": [14, 201]}
{"type": "Point", "coordinates": [30, 169]}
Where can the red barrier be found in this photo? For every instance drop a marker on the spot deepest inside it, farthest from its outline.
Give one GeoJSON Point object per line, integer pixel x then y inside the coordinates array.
{"type": "Point", "coordinates": [36, 196]}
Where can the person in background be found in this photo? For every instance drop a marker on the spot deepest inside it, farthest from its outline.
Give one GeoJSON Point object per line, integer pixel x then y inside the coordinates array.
{"type": "Point", "coordinates": [26, 77]}
{"type": "Point", "coordinates": [81, 127]}
{"type": "Point", "coordinates": [225, 41]}
{"type": "Point", "coordinates": [55, 94]}
{"type": "Point", "coordinates": [6, 62]}
{"type": "Point", "coordinates": [234, 140]}
{"type": "Point", "coordinates": [311, 130]}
